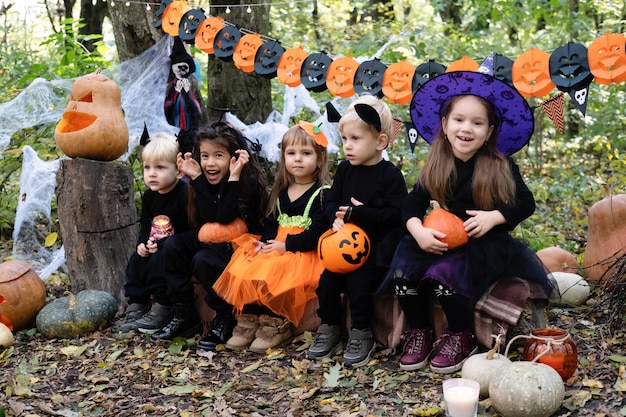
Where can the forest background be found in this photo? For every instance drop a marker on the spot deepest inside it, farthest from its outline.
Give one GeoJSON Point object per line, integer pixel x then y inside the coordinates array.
{"type": "Point", "coordinates": [565, 171]}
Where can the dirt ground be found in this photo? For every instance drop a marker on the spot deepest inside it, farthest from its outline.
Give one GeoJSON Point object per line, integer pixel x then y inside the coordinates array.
{"type": "Point", "coordinates": [108, 374]}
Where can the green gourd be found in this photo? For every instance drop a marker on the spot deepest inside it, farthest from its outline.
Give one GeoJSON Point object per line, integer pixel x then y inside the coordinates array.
{"type": "Point", "coordinates": [76, 315]}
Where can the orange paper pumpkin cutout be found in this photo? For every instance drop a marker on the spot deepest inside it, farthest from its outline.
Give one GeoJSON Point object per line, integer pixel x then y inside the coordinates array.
{"type": "Point", "coordinates": [205, 35]}
{"type": "Point", "coordinates": [289, 66]}
{"type": "Point", "coordinates": [531, 73]}
{"type": "Point", "coordinates": [340, 76]}
{"type": "Point", "coordinates": [398, 82]}
{"type": "Point", "coordinates": [245, 51]}
{"type": "Point", "coordinates": [464, 64]}
{"type": "Point", "coordinates": [172, 15]}
{"type": "Point", "coordinates": [607, 58]}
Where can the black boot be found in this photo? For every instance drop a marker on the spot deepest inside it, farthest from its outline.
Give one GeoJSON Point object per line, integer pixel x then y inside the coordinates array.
{"type": "Point", "coordinates": [181, 320]}
{"type": "Point", "coordinates": [220, 330]}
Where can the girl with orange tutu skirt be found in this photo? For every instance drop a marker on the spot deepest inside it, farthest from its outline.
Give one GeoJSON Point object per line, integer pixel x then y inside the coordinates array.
{"type": "Point", "coordinates": [280, 269]}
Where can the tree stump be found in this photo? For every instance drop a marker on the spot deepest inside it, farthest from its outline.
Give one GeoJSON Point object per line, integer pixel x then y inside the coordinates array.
{"type": "Point", "coordinates": [98, 221]}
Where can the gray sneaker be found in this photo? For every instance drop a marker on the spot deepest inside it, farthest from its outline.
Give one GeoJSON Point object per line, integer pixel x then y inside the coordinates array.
{"type": "Point", "coordinates": [154, 319]}
{"type": "Point", "coordinates": [327, 341]}
{"type": "Point", "coordinates": [360, 347]}
{"type": "Point", "coordinates": [133, 313]}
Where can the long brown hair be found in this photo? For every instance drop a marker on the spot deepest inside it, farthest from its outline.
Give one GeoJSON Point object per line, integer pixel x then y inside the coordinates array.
{"type": "Point", "coordinates": [493, 184]}
{"type": "Point", "coordinates": [297, 136]}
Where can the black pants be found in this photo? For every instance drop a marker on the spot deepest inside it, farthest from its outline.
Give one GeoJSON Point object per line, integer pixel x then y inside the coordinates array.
{"type": "Point", "coordinates": [185, 258]}
{"type": "Point", "coordinates": [145, 278]}
{"type": "Point", "coordinates": [358, 286]}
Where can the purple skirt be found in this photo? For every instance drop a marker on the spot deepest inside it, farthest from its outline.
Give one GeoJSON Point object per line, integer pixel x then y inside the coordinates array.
{"type": "Point", "coordinates": [468, 270]}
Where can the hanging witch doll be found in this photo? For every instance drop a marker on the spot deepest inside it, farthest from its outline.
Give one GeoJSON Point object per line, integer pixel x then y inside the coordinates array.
{"type": "Point", "coordinates": [183, 106]}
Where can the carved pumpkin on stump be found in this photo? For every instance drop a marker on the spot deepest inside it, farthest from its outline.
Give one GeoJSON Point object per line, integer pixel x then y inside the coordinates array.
{"type": "Point", "coordinates": [93, 125]}
{"type": "Point", "coordinates": [606, 237]}
{"type": "Point", "coordinates": [443, 221]}
{"type": "Point", "coordinates": [24, 293]}
{"type": "Point", "coordinates": [345, 250]}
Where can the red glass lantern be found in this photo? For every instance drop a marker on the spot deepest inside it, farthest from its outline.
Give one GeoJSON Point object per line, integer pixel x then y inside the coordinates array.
{"type": "Point", "coordinates": [560, 351]}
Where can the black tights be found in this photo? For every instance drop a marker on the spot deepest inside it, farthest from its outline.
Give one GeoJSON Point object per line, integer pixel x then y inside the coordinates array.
{"type": "Point", "coordinates": [456, 307]}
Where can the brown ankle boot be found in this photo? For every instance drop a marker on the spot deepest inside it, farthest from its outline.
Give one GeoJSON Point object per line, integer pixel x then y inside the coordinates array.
{"type": "Point", "coordinates": [244, 332]}
{"type": "Point", "coordinates": [272, 332]}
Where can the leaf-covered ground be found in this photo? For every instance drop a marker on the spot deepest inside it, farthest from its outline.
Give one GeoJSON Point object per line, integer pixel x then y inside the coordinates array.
{"type": "Point", "coordinates": [109, 374]}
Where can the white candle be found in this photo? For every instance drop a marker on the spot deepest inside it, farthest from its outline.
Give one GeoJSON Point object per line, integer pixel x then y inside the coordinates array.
{"type": "Point", "coordinates": [461, 397]}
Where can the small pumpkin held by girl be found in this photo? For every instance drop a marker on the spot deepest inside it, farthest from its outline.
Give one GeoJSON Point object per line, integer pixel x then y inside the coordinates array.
{"type": "Point", "coordinates": [474, 122]}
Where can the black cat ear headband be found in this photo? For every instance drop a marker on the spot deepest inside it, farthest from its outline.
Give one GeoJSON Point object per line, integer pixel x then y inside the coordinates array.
{"type": "Point", "coordinates": [366, 112]}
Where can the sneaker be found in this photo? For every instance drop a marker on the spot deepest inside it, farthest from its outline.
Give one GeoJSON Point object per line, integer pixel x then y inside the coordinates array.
{"type": "Point", "coordinates": [360, 347]}
{"type": "Point", "coordinates": [452, 351]}
{"type": "Point", "coordinates": [220, 330]}
{"type": "Point", "coordinates": [133, 313]}
{"type": "Point", "coordinates": [181, 322]}
{"type": "Point", "coordinates": [272, 333]}
{"type": "Point", "coordinates": [418, 344]}
{"type": "Point", "coordinates": [244, 332]}
{"type": "Point", "coordinates": [326, 343]}
{"type": "Point", "coordinates": [154, 319]}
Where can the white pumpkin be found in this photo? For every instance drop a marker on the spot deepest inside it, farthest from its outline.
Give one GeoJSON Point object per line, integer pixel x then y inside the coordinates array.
{"type": "Point", "coordinates": [573, 289]}
{"type": "Point", "coordinates": [482, 367]}
{"type": "Point", "coordinates": [526, 389]}
{"type": "Point", "coordinates": [6, 336]}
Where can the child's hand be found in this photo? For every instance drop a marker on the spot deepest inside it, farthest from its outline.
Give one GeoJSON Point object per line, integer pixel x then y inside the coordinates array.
{"type": "Point", "coordinates": [152, 245]}
{"type": "Point", "coordinates": [274, 245]}
{"type": "Point", "coordinates": [426, 238]}
{"type": "Point", "coordinates": [142, 250]}
{"type": "Point", "coordinates": [237, 164]}
{"type": "Point", "coordinates": [338, 224]}
{"type": "Point", "coordinates": [188, 166]}
{"type": "Point", "coordinates": [344, 212]}
{"type": "Point", "coordinates": [481, 222]}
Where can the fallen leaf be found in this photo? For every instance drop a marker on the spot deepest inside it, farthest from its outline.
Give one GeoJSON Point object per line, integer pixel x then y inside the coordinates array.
{"type": "Point", "coordinates": [331, 378]}
{"type": "Point", "coordinates": [74, 351]}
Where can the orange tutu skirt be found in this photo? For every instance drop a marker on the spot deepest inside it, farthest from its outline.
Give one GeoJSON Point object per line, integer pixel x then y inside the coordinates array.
{"type": "Point", "coordinates": [283, 283]}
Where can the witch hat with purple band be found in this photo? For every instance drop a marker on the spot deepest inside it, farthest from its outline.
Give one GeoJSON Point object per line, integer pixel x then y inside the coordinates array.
{"type": "Point", "coordinates": [514, 113]}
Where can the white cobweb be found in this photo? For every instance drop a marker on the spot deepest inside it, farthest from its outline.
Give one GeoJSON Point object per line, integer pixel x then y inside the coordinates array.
{"type": "Point", "coordinates": [142, 82]}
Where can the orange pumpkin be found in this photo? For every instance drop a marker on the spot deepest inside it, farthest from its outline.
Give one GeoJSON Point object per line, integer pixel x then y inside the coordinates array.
{"type": "Point", "coordinates": [398, 82]}
{"type": "Point", "coordinates": [172, 16]}
{"type": "Point", "coordinates": [93, 124]}
{"type": "Point", "coordinates": [464, 64]}
{"type": "Point", "coordinates": [206, 33]}
{"type": "Point", "coordinates": [606, 237]}
{"type": "Point", "coordinates": [245, 51]}
{"type": "Point", "coordinates": [607, 58]}
{"type": "Point", "coordinates": [345, 250]}
{"type": "Point", "coordinates": [214, 232]}
{"type": "Point", "coordinates": [289, 66]}
{"type": "Point", "coordinates": [531, 73]}
{"type": "Point", "coordinates": [443, 221]}
{"type": "Point", "coordinates": [556, 259]}
{"type": "Point", "coordinates": [24, 293]}
{"type": "Point", "coordinates": [340, 76]}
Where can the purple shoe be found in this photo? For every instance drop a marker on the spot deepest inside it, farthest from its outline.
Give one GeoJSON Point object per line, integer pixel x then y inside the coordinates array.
{"type": "Point", "coordinates": [417, 346]}
{"type": "Point", "coordinates": [452, 351]}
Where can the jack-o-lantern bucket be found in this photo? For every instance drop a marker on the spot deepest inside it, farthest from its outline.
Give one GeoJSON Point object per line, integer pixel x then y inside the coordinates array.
{"type": "Point", "coordinates": [23, 291]}
{"type": "Point", "coordinates": [345, 250]}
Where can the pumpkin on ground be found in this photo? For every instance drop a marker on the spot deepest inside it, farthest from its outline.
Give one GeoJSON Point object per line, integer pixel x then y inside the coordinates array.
{"type": "Point", "coordinates": [77, 315]}
{"type": "Point", "coordinates": [214, 232]}
{"type": "Point", "coordinates": [606, 237]}
{"type": "Point", "coordinates": [525, 389]}
{"type": "Point", "coordinates": [93, 124]}
{"type": "Point", "coordinates": [6, 337]}
{"type": "Point", "coordinates": [573, 290]}
{"type": "Point", "coordinates": [442, 220]}
{"type": "Point", "coordinates": [482, 367]}
{"type": "Point", "coordinates": [556, 259]}
{"type": "Point", "coordinates": [23, 291]}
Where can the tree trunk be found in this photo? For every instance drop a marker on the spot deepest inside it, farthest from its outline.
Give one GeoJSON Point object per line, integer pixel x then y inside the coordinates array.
{"type": "Point", "coordinates": [228, 86]}
{"type": "Point", "coordinates": [92, 15]}
{"type": "Point", "coordinates": [133, 28]}
{"type": "Point", "coordinates": [98, 222]}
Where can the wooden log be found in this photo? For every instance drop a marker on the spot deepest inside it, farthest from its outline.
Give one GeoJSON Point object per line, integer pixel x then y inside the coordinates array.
{"type": "Point", "coordinates": [98, 222]}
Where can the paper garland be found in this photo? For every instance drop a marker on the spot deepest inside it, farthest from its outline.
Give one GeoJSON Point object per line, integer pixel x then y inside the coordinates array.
{"type": "Point", "coordinates": [553, 107]}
